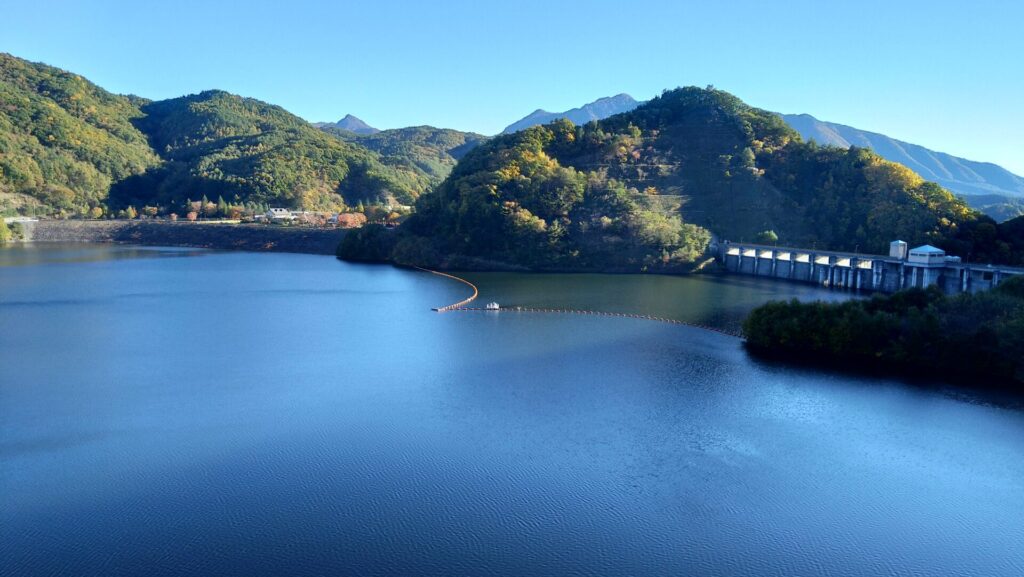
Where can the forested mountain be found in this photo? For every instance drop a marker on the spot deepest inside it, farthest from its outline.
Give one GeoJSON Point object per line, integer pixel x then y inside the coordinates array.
{"type": "Point", "coordinates": [218, 144]}
{"type": "Point", "coordinates": [596, 110]}
{"type": "Point", "coordinates": [641, 190]}
{"type": "Point", "coordinates": [349, 123]}
{"type": "Point", "coordinates": [985, 186]}
{"type": "Point", "coordinates": [64, 140]}
{"type": "Point", "coordinates": [68, 146]}
{"type": "Point", "coordinates": [427, 152]}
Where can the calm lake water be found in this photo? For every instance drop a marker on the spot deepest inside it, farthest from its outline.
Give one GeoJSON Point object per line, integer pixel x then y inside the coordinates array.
{"type": "Point", "coordinates": [180, 412]}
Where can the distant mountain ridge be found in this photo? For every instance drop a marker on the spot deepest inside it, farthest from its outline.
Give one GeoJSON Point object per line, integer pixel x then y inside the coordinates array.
{"type": "Point", "coordinates": [351, 124]}
{"type": "Point", "coordinates": [426, 152]}
{"type": "Point", "coordinates": [962, 176]}
{"type": "Point", "coordinates": [597, 110]}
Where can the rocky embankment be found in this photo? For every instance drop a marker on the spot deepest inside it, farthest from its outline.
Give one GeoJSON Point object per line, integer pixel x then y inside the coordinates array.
{"type": "Point", "coordinates": [251, 237]}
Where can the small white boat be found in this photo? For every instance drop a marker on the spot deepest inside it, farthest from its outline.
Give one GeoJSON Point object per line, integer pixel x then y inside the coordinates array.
{"type": "Point", "coordinates": [492, 306]}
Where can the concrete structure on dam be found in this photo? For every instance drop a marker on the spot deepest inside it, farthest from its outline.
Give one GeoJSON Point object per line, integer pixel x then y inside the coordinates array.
{"type": "Point", "coordinates": [919, 267]}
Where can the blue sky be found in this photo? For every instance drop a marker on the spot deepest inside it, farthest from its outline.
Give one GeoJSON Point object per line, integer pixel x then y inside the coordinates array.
{"type": "Point", "coordinates": [946, 75]}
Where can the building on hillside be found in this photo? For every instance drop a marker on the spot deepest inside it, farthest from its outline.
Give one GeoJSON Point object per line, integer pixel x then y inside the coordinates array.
{"type": "Point", "coordinates": [280, 215]}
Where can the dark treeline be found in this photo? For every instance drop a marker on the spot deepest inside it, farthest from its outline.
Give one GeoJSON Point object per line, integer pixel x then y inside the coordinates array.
{"type": "Point", "coordinates": [979, 337]}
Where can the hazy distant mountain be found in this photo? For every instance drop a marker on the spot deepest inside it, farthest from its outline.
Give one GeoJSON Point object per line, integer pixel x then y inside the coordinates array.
{"type": "Point", "coordinates": [597, 110]}
{"type": "Point", "coordinates": [351, 124]}
{"type": "Point", "coordinates": [999, 206]}
{"type": "Point", "coordinates": [959, 175]}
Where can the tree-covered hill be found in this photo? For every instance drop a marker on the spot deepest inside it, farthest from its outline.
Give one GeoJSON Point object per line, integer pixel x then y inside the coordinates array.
{"type": "Point", "coordinates": [616, 193]}
{"type": "Point", "coordinates": [642, 190]}
{"type": "Point", "coordinates": [510, 202]}
{"type": "Point", "coordinates": [64, 140]}
{"type": "Point", "coordinates": [68, 147]}
{"type": "Point", "coordinates": [219, 144]}
{"type": "Point", "coordinates": [740, 170]}
{"type": "Point", "coordinates": [425, 152]}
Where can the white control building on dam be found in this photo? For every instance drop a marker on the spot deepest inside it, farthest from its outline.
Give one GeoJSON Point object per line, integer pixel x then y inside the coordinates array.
{"type": "Point", "coordinates": [918, 267]}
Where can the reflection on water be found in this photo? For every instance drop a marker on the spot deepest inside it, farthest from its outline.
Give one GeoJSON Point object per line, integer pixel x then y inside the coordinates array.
{"type": "Point", "coordinates": [271, 414]}
{"type": "Point", "coordinates": [718, 301]}
{"type": "Point", "coordinates": [55, 253]}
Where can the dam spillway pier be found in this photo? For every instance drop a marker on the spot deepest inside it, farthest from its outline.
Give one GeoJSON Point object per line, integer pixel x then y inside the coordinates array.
{"type": "Point", "coordinates": [902, 269]}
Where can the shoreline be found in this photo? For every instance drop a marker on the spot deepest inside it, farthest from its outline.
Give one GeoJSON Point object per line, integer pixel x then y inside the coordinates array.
{"type": "Point", "coordinates": [244, 237]}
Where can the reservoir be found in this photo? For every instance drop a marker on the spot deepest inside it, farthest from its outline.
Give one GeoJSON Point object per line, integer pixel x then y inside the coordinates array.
{"type": "Point", "coordinates": [189, 412]}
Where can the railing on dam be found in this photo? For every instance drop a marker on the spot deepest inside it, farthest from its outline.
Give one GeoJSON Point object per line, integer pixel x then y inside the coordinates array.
{"type": "Point", "coordinates": [856, 271]}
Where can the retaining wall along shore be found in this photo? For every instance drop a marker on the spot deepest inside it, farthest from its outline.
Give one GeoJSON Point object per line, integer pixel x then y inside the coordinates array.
{"type": "Point", "coordinates": [251, 237]}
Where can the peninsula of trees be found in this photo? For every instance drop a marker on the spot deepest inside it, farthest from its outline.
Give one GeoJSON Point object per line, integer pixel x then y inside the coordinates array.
{"type": "Point", "coordinates": [979, 337]}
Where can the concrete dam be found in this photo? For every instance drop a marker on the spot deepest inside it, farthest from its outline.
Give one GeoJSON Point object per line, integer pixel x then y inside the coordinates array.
{"type": "Point", "coordinates": [919, 267]}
